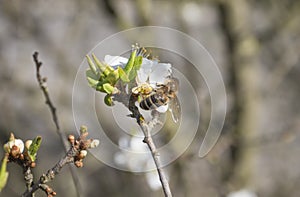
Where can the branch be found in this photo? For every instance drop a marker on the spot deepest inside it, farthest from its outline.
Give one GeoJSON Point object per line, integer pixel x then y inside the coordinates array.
{"type": "Point", "coordinates": [146, 128]}
{"type": "Point", "coordinates": [75, 155]}
{"type": "Point", "coordinates": [43, 86]}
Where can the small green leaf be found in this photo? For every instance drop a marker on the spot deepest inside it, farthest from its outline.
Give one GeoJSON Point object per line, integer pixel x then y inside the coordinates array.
{"type": "Point", "coordinates": [113, 77]}
{"type": "Point", "coordinates": [109, 89]}
{"type": "Point", "coordinates": [92, 78]}
{"type": "Point", "coordinates": [108, 100]}
{"type": "Point", "coordinates": [108, 69]}
{"type": "Point", "coordinates": [123, 75]}
{"type": "Point", "coordinates": [130, 62]}
{"type": "Point", "coordinates": [34, 147]}
{"type": "Point", "coordinates": [138, 62]}
{"type": "Point", "coordinates": [132, 74]}
{"type": "Point", "coordinates": [3, 173]}
{"type": "Point", "coordinates": [83, 129]}
{"type": "Point", "coordinates": [98, 63]}
{"type": "Point", "coordinates": [92, 65]}
{"type": "Point", "coordinates": [136, 65]}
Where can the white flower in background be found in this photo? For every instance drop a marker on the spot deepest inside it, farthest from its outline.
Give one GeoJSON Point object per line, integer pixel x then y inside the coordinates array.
{"type": "Point", "coordinates": [152, 178]}
{"type": "Point", "coordinates": [134, 154]}
{"type": "Point", "coordinates": [242, 193]}
{"type": "Point", "coordinates": [136, 157]}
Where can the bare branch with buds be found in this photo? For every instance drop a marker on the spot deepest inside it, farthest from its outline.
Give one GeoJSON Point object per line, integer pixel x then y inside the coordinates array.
{"type": "Point", "coordinates": [75, 154]}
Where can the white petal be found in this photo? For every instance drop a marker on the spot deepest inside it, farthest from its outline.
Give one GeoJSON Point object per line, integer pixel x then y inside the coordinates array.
{"type": "Point", "coordinates": [115, 61]}
{"type": "Point", "coordinates": [145, 70]}
{"type": "Point", "coordinates": [19, 143]}
{"type": "Point", "coordinates": [160, 72]}
{"type": "Point", "coordinates": [95, 143]}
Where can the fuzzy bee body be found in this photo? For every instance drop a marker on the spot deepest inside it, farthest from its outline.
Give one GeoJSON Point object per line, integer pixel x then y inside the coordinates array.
{"type": "Point", "coordinates": [154, 101]}
{"type": "Point", "coordinates": [161, 96]}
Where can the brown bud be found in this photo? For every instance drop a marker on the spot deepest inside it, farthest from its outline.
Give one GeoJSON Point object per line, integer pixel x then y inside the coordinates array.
{"type": "Point", "coordinates": [33, 164]}
{"type": "Point", "coordinates": [84, 145]}
{"type": "Point", "coordinates": [82, 154]}
{"type": "Point", "coordinates": [48, 190]}
{"type": "Point", "coordinates": [21, 156]}
{"type": "Point", "coordinates": [15, 151]}
{"type": "Point", "coordinates": [78, 164]}
{"type": "Point", "coordinates": [71, 139]}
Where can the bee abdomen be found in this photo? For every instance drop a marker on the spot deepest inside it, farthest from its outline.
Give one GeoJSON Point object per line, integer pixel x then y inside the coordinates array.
{"type": "Point", "coordinates": [152, 102]}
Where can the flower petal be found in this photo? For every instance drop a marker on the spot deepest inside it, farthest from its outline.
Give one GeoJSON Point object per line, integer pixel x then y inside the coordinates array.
{"type": "Point", "coordinates": [145, 70]}
{"type": "Point", "coordinates": [160, 72]}
{"type": "Point", "coordinates": [115, 61]}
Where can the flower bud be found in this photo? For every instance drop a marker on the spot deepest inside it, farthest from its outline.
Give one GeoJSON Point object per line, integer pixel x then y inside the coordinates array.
{"type": "Point", "coordinates": [20, 144]}
{"type": "Point", "coordinates": [14, 142]}
{"type": "Point", "coordinates": [28, 143]}
{"type": "Point", "coordinates": [82, 154]}
{"type": "Point", "coordinates": [32, 165]}
{"type": "Point", "coordinates": [6, 148]}
{"type": "Point", "coordinates": [15, 151]}
{"type": "Point", "coordinates": [71, 139]}
{"type": "Point", "coordinates": [78, 164]}
{"type": "Point", "coordinates": [94, 143]}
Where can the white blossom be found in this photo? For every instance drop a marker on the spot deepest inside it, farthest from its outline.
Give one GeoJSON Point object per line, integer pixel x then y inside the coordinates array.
{"type": "Point", "coordinates": [17, 142]}
{"type": "Point", "coordinates": [242, 193]}
{"type": "Point", "coordinates": [151, 71]}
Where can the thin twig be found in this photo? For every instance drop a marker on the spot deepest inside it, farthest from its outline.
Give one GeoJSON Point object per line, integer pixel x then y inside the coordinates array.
{"type": "Point", "coordinates": [50, 175]}
{"type": "Point", "coordinates": [73, 155]}
{"type": "Point", "coordinates": [146, 128]}
{"type": "Point", "coordinates": [42, 84]}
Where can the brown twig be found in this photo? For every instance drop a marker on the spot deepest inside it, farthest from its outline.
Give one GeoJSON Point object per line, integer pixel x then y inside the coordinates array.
{"type": "Point", "coordinates": [129, 102]}
{"type": "Point", "coordinates": [42, 84]}
{"type": "Point", "coordinates": [73, 155]}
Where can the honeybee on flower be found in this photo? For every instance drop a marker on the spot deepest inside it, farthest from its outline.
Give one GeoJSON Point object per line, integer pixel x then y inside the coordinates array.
{"type": "Point", "coordinates": [148, 79]}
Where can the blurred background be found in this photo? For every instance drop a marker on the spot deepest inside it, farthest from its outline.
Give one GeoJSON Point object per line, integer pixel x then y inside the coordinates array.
{"type": "Point", "coordinates": [256, 45]}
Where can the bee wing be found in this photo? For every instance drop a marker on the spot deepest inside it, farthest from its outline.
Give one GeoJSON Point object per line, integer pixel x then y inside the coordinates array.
{"type": "Point", "coordinates": [175, 109]}
{"type": "Point", "coordinates": [162, 109]}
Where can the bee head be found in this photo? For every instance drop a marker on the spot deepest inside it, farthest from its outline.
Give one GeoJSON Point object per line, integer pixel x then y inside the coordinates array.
{"type": "Point", "coordinates": [173, 84]}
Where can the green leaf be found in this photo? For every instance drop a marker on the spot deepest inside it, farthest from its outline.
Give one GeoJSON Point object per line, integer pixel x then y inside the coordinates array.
{"type": "Point", "coordinates": [108, 69]}
{"type": "Point", "coordinates": [132, 74]}
{"type": "Point", "coordinates": [3, 173]}
{"type": "Point", "coordinates": [34, 147]}
{"type": "Point", "coordinates": [138, 62]}
{"type": "Point", "coordinates": [109, 89]}
{"type": "Point", "coordinates": [113, 77]}
{"type": "Point", "coordinates": [92, 78]}
{"type": "Point", "coordinates": [98, 63]}
{"type": "Point", "coordinates": [92, 65]}
{"type": "Point", "coordinates": [123, 75]}
{"type": "Point", "coordinates": [83, 129]}
{"type": "Point", "coordinates": [108, 100]}
{"type": "Point", "coordinates": [137, 65]}
{"type": "Point", "coordinates": [130, 62]}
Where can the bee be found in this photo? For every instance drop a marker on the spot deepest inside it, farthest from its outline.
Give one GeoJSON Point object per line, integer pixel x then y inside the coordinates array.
{"type": "Point", "coordinates": [143, 89]}
{"type": "Point", "coordinates": [161, 98]}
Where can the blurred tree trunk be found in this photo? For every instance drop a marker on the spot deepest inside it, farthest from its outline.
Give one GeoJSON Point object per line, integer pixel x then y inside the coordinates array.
{"type": "Point", "coordinates": [243, 62]}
